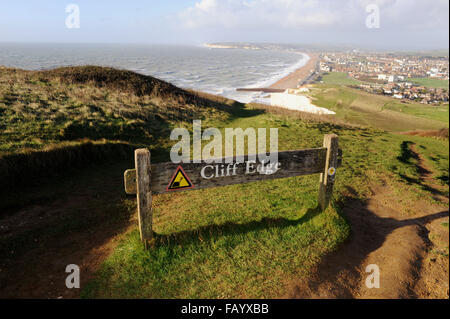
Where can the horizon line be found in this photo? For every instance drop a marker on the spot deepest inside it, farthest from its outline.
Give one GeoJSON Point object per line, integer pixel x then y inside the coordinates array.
{"type": "Point", "coordinates": [316, 46]}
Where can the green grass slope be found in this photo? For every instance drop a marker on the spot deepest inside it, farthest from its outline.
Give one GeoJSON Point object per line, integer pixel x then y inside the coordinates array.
{"type": "Point", "coordinates": [69, 104]}
{"type": "Point", "coordinates": [430, 82]}
{"type": "Point", "coordinates": [377, 111]}
{"type": "Point", "coordinates": [250, 240]}
{"type": "Point", "coordinates": [56, 119]}
{"type": "Point", "coordinates": [338, 78]}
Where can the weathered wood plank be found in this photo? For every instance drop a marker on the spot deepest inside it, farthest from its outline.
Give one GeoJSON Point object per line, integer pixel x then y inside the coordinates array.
{"type": "Point", "coordinates": [291, 163]}
{"type": "Point", "coordinates": [144, 194]}
{"type": "Point", "coordinates": [328, 175]}
{"type": "Point", "coordinates": [158, 177]}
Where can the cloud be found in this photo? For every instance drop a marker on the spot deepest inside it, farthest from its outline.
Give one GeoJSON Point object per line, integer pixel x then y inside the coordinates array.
{"type": "Point", "coordinates": [256, 13]}
{"type": "Point", "coordinates": [312, 14]}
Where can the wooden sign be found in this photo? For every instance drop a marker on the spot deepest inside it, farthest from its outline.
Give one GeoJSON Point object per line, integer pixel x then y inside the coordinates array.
{"type": "Point", "coordinates": [147, 179]}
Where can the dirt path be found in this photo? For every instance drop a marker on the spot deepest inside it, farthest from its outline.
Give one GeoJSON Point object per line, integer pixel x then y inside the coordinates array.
{"type": "Point", "coordinates": [82, 227]}
{"type": "Point", "coordinates": [410, 249]}
{"type": "Point", "coordinates": [426, 177]}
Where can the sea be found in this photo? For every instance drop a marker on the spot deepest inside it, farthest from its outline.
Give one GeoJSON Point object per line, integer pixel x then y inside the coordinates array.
{"type": "Point", "coordinates": [213, 70]}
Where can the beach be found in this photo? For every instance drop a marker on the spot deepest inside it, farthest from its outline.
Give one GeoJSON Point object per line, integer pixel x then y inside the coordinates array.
{"type": "Point", "coordinates": [292, 80]}
{"type": "Point", "coordinates": [297, 102]}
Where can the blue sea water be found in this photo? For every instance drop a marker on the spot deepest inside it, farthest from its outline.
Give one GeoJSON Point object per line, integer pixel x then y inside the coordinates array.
{"type": "Point", "coordinates": [217, 71]}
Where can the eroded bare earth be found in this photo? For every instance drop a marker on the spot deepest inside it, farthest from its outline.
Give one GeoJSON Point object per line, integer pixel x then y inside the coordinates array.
{"type": "Point", "coordinates": [410, 247]}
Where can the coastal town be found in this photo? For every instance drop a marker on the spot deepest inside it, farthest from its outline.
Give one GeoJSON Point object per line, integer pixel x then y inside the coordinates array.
{"type": "Point", "coordinates": [405, 77]}
{"type": "Point", "coordinates": [422, 78]}
{"type": "Point", "coordinates": [419, 78]}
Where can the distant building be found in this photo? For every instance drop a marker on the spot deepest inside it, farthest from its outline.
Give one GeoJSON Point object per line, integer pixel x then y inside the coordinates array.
{"type": "Point", "coordinates": [325, 67]}
{"type": "Point", "coordinates": [433, 72]}
{"type": "Point", "coordinates": [392, 78]}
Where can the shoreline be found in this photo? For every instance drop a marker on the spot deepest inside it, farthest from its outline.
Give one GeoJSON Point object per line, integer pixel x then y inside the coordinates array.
{"type": "Point", "coordinates": [291, 81]}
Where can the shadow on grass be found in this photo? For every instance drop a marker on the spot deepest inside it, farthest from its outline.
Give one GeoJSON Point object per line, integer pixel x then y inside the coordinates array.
{"type": "Point", "coordinates": [239, 111]}
{"type": "Point", "coordinates": [406, 153]}
{"type": "Point", "coordinates": [422, 185]}
{"type": "Point", "coordinates": [444, 179]}
{"type": "Point", "coordinates": [215, 231]}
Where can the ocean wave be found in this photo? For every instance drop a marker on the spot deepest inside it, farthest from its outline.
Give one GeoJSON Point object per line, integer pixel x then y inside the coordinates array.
{"type": "Point", "coordinates": [251, 80]}
{"type": "Point", "coordinates": [217, 71]}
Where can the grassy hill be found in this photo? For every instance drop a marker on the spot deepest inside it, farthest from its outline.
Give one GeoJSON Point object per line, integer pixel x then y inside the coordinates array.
{"type": "Point", "coordinates": [430, 82]}
{"type": "Point", "coordinates": [57, 119]}
{"type": "Point", "coordinates": [69, 104]}
{"type": "Point", "coordinates": [377, 111]}
{"type": "Point", "coordinates": [339, 78]}
{"type": "Point", "coordinates": [251, 240]}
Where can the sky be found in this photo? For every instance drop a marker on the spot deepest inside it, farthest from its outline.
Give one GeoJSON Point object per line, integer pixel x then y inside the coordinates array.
{"type": "Point", "coordinates": [394, 24]}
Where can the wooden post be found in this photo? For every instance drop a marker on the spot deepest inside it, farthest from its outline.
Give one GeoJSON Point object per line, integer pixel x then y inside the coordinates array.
{"type": "Point", "coordinates": [330, 142]}
{"type": "Point", "coordinates": [144, 195]}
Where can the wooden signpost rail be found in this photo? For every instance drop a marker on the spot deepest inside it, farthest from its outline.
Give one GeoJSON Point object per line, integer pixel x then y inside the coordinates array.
{"type": "Point", "coordinates": [147, 179]}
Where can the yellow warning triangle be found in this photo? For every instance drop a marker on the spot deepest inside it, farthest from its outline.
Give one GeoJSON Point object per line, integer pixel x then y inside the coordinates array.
{"type": "Point", "coordinates": [179, 180]}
